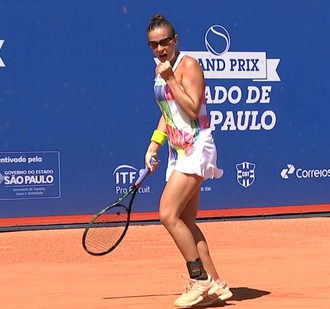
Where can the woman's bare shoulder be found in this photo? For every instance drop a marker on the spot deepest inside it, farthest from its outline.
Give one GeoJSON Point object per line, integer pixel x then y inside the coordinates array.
{"type": "Point", "coordinates": [189, 63]}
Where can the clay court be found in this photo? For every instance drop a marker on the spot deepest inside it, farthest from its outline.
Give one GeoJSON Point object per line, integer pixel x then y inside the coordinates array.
{"type": "Point", "coordinates": [268, 263]}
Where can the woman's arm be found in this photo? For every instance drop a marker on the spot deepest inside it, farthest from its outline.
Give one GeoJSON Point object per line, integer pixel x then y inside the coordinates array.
{"type": "Point", "coordinates": [189, 92]}
{"type": "Point", "coordinates": [154, 146]}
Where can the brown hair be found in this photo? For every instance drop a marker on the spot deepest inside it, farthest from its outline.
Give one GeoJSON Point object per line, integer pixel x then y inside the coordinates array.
{"type": "Point", "coordinates": [158, 20]}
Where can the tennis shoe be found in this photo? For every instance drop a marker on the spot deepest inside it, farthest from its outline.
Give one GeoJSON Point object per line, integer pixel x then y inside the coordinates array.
{"type": "Point", "coordinates": [215, 294]}
{"type": "Point", "coordinates": [221, 291]}
{"type": "Point", "coordinates": [194, 292]}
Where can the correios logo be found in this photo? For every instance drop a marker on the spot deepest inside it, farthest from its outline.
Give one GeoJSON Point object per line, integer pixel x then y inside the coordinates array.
{"type": "Point", "coordinates": [287, 171]}
{"type": "Point", "coordinates": [291, 171]}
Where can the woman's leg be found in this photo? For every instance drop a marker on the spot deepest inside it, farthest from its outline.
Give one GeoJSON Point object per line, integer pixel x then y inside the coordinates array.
{"type": "Point", "coordinates": [179, 190]}
{"type": "Point", "coordinates": [221, 290]}
{"type": "Point", "coordinates": [189, 217]}
{"type": "Point", "coordinates": [178, 207]}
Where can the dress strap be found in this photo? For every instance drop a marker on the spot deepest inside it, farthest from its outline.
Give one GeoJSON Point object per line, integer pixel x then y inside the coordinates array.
{"type": "Point", "coordinates": [178, 60]}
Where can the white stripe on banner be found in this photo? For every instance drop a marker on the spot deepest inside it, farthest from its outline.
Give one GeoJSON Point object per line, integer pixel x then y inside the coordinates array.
{"type": "Point", "coordinates": [237, 65]}
{"type": "Point", "coordinates": [2, 64]}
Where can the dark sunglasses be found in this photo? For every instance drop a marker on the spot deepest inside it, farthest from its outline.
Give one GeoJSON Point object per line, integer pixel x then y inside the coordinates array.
{"type": "Point", "coordinates": [163, 42]}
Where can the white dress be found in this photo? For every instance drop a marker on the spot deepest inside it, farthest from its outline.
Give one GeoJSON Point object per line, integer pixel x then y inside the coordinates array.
{"type": "Point", "coordinates": [191, 146]}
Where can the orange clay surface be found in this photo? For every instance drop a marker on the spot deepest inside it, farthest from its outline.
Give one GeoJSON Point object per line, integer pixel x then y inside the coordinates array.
{"type": "Point", "coordinates": [271, 263]}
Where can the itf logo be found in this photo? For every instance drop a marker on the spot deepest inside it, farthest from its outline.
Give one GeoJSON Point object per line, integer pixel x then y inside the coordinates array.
{"type": "Point", "coordinates": [2, 64]}
{"type": "Point", "coordinates": [287, 171]}
{"type": "Point", "coordinates": [245, 173]}
{"type": "Point", "coordinates": [125, 174]}
{"type": "Point", "coordinates": [125, 177]}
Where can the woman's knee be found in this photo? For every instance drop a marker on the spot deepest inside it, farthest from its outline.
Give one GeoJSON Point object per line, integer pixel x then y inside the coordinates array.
{"type": "Point", "coordinates": [164, 216]}
{"type": "Point", "coordinates": [167, 216]}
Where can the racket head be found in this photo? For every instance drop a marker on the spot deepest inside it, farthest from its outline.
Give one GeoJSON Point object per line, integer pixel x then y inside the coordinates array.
{"type": "Point", "coordinates": [106, 230]}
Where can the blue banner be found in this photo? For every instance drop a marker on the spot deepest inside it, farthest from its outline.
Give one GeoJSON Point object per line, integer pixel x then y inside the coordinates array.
{"type": "Point", "coordinates": [76, 96]}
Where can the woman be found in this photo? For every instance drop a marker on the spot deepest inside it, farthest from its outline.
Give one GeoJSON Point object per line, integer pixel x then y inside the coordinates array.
{"type": "Point", "coordinates": [180, 94]}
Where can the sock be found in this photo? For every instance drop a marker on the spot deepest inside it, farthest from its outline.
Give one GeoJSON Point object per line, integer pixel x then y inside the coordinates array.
{"type": "Point", "coordinates": [196, 270]}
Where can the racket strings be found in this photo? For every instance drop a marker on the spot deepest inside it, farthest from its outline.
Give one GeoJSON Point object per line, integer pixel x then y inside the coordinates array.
{"type": "Point", "coordinates": [107, 230]}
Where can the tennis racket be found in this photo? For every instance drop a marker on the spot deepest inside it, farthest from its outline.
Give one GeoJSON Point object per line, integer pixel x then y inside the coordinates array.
{"type": "Point", "coordinates": [108, 227]}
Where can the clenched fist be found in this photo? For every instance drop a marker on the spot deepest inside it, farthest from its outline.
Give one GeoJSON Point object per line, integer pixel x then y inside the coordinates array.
{"type": "Point", "coordinates": [165, 70]}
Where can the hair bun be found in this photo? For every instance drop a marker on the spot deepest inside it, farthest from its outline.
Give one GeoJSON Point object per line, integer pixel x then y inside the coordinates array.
{"type": "Point", "coordinates": [157, 17]}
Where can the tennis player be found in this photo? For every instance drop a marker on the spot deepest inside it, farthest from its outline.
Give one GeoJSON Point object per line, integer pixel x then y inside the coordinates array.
{"type": "Point", "coordinates": [184, 123]}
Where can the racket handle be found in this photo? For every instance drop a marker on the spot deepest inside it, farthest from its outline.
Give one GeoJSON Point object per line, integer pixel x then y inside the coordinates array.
{"type": "Point", "coordinates": [144, 173]}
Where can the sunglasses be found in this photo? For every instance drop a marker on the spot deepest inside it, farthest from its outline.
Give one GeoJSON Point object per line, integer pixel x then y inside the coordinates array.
{"type": "Point", "coordinates": [163, 42]}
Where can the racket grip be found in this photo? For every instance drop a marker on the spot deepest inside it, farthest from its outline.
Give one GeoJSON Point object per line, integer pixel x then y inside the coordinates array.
{"type": "Point", "coordinates": [144, 173]}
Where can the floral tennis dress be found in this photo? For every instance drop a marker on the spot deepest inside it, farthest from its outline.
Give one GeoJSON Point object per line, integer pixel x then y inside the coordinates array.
{"type": "Point", "coordinates": [190, 142]}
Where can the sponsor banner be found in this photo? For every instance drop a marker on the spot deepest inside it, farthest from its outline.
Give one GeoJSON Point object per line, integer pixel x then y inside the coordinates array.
{"type": "Point", "coordinates": [29, 175]}
{"type": "Point", "coordinates": [219, 64]}
{"type": "Point", "coordinates": [266, 92]}
{"type": "Point", "coordinates": [236, 107]}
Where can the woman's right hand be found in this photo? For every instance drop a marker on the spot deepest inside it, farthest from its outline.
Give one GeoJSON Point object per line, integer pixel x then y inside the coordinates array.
{"type": "Point", "coordinates": [150, 154]}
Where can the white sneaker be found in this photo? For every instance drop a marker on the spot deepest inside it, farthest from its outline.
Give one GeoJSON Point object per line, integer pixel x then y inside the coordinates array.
{"type": "Point", "coordinates": [194, 293]}
{"type": "Point", "coordinates": [221, 291]}
{"type": "Point", "coordinates": [215, 294]}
